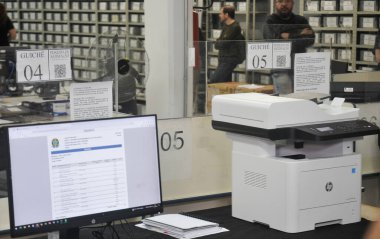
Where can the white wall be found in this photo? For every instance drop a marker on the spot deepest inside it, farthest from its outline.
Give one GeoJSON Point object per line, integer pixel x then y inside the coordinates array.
{"type": "Point", "coordinates": [166, 45]}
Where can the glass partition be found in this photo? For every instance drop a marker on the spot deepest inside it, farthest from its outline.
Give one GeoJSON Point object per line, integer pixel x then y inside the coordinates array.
{"type": "Point", "coordinates": [351, 70]}
{"type": "Point", "coordinates": [340, 61]}
{"type": "Point", "coordinates": [213, 66]}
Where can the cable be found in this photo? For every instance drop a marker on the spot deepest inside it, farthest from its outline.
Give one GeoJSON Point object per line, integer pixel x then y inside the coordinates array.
{"type": "Point", "coordinates": [99, 234]}
{"type": "Point", "coordinates": [125, 230]}
{"type": "Point", "coordinates": [114, 231]}
{"type": "Point", "coordinates": [130, 229]}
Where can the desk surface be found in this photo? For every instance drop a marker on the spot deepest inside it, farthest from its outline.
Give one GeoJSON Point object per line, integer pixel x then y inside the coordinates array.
{"type": "Point", "coordinates": [241, 229]}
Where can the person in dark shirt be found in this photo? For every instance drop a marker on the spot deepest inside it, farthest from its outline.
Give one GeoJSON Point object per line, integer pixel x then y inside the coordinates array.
{"type": "Point", "coordinates": [127, 85]}
{"type": "Point", "coordinates": [7, 30]}
{"type": "Point", "coordinates": [285, 25]}
{"type": "Point", "coordinates": [377, 50]}
{"type": "Point", "coordinates": [228, 46]}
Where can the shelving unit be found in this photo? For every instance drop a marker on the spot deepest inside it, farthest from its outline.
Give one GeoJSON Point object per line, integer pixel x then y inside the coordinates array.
{"type": "Point", "coordinates": [365, 18]}
{"type": "Point", "coordinates": [86, 26]}
{"type": "Point", "coordinates": [136, 39]}
{"type": "Point", "coordinates": [251, 14]}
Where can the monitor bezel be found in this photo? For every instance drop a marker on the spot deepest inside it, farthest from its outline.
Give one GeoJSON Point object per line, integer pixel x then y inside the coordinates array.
{"type": "Point", "coordinates": [82, 221]}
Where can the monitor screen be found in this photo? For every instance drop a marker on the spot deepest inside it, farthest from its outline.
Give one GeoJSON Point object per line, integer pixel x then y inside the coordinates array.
{"type": "Point", "coordinates": [8, 85]}
{"type": "Point", "coordinates": [71, 174]}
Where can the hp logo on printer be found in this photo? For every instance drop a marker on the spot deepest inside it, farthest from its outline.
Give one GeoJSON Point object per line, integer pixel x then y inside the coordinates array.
{"type": "Point", "coordinates": [329, 186]}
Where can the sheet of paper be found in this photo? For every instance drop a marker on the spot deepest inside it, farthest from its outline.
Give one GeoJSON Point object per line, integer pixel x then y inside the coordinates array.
{"type": "Point", "coordinates": [156, 229]}
{"type": "Point", "coordinates": [252, 86]}
{"type": "Point", "coordinates": [60, 64]}
{"type": "Point", "coordinates": [32, 66]}
{"type": "Point", "coordinates": [14, 109]}
{"type": "Point", "coordinates": [338, 102]}
{"type": "Point", "coordinates": [268, 55]}
{"type": "Point", "coordinates": [281, 55]}
{"type": "Point", "coordinates": [2, 121]}
{"type": "Point", "coordinates": [91, 100]}
{"type": "Point", "coordinates": [43, 65]}
{"type": "Point", "coordinates": [312, 72]}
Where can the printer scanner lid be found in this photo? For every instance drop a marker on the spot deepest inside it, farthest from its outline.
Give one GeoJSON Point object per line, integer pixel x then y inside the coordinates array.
{"type": "Point", "coordinates": [272, 112]}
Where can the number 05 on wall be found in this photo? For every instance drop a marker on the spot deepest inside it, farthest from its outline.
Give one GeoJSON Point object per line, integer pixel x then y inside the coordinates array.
{"type": "Point", "coordinates": [175, 143]}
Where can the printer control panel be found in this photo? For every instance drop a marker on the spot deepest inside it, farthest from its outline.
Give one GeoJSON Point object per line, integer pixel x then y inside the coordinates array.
{"type": "Point", "coordinates": [330, 131]}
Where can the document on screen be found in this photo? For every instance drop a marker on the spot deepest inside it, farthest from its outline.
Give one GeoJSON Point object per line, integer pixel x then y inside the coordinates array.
{"type": "Point", "coordinates": [88, 172]}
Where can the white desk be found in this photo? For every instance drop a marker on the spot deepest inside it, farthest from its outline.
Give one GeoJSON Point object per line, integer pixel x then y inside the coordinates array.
{"type": "Point", "coordinates": [10, 101]}
{"type": "Point", "coordinates": [15, 101]}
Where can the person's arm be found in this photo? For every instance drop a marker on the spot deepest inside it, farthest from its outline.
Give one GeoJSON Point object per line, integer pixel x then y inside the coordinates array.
{"type": "Point", "coordinates": [271, 31]}
{"type": "Point", "coordinates": [374, 231]}
{"type": "Point", "coordinates": [133, 72]}
{"type": "Point", "coordinates": [377, 48]}
{"type": "Point", "coordinates": [226, 39]}
{"type": "Point", "coordinates": [301, 35]}
{"type": "Point", "coordinates": [304, 36]}
{"type": "Point", "coordinates": [377, 55]}
{"type": "Point", "coordinates": [12, 34]}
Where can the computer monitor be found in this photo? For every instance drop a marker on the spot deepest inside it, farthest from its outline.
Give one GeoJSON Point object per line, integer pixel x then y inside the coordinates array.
{"type": "Point", "coordinates": [339, 67]}
{"type": "Point", "coordinates": [71, 174]}
{"type": "Point", "coordinates": [8, 84]}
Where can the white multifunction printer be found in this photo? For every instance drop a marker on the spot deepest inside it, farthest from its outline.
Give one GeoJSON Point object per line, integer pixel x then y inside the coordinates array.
{"type": "Point", "coordinates": [294, 165]}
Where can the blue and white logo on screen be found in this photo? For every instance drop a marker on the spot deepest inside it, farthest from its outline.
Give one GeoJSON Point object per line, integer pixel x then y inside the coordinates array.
{"type": "Point", "coordinates": [55, 143]}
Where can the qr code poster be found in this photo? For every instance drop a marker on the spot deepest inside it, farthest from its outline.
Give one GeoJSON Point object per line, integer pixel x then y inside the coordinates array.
{"type": "Point", "coordinates": [269, 55]}
{"type": "Point", "coordinates": [60, 64]}
{"type": "Point", "coordinates": [43, 65]}
{"type": "Point", "coordinates": [281, 55]}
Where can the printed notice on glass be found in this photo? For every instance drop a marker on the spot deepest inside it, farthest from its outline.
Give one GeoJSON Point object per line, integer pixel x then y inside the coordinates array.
{"type": "Point", "coordinates": [268, 55]}
{"type": "Point", "coordinates": [281, 55]}
{"type": "Point", "coordinates": [60, 64]}
{"type": "Point", "coordinates": [43, 65]}
{"type": "Point", "coordinates": [312, 72]}
{"type": "Point", "coordinates": [91, 100]}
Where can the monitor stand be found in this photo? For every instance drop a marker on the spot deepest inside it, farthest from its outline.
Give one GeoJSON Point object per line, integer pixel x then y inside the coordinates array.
{"type": "Point", "coordinates": [72, 233]}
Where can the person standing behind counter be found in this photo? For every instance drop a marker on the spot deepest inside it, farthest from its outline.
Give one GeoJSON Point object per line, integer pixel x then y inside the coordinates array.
{"type": "Point", "coordinates": [377, 50]}
{"type": "Point", "coordinates": [7, 29]}
{"type": "Point", "coordinates": [285, 25]}
{"type": "Point", "coordinates": [228, 45]}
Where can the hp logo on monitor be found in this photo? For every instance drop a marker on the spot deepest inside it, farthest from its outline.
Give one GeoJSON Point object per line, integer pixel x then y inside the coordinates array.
{"type": "Point", "coordinates": [329, 186]}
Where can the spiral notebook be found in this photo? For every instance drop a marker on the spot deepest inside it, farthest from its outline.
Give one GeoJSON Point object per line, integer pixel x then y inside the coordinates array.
{"type": "Point", "coordinates": [181, 226]}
